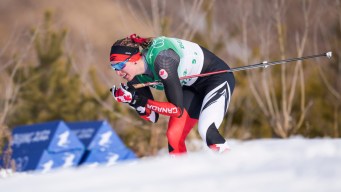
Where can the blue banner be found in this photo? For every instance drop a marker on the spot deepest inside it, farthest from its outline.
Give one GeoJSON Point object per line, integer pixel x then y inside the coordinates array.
{"type": "Point", "coordinates": [48, 145]}
{"type": "Point", "coordinates": [103, 145]}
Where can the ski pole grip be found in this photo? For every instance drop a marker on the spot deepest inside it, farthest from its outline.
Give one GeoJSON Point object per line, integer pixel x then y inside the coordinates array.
{"type": "Point", "coordinates": [138, 86]}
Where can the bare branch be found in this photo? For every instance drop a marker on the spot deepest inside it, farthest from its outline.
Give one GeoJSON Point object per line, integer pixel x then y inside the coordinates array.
{"type": "Point", "coordinates": [12, 89]}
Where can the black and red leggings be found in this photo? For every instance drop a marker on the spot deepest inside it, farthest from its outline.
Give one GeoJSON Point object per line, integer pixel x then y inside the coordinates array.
{"type": "Point", "coordinates": [207, 108]}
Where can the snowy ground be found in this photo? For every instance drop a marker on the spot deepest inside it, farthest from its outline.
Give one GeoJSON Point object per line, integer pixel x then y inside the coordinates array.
{"type": "Point", "coordinates": [261, 165]}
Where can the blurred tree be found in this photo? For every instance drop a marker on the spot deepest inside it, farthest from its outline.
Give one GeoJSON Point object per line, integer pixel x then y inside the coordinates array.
{"type": "Point", "coordinates": [324, 82]}
{"type": "Point", "coordinates": [50, 90]}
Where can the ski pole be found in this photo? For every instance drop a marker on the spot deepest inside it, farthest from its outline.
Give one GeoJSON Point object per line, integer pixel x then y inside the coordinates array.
{"type": "Point", "coordinates": [263, 64]}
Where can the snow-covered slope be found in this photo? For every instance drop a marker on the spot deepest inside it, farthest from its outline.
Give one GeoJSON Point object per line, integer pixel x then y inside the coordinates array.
{"type": "Point", "coordinates": [261, 165]}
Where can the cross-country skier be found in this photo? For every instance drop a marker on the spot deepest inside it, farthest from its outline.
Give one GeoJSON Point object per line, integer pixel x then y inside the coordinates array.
{"type": "Point", "coordinates": [203, 99]}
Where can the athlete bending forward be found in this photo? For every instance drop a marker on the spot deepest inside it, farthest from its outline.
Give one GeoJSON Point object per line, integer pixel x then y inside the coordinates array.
{"type": "Point", "coordinates": [202, 100]}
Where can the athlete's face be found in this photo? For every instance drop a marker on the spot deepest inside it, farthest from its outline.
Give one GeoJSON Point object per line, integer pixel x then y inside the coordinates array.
{"type": "Point", "coordinates": [131, 69]}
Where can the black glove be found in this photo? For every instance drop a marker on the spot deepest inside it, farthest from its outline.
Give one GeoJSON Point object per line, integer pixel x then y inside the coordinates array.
{"type": "Point", "coordinates": [138, 100]}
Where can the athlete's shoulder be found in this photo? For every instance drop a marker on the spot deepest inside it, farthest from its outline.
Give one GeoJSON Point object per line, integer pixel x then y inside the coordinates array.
{"type": "Point", "coordinates": [167, 57]}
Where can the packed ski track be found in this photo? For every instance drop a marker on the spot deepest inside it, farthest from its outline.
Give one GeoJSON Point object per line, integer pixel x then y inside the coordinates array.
{"type": "Point", "coordinates": [294, 164]}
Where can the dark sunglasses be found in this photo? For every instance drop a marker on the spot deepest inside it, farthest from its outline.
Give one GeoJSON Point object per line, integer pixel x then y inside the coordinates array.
{"type": "Point", "coordinates": [119, 66]}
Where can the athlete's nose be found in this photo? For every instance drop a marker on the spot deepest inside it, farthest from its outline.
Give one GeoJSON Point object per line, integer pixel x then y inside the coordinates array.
{"type": "Point", "coordinates": [119, 73]}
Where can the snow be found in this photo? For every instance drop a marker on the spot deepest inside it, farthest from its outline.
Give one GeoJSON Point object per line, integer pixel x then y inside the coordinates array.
{"type": "Point", "coordinates": [295, 164]}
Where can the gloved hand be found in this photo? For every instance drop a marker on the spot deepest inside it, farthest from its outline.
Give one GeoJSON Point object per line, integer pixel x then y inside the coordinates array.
{"type": "Point", "coordinates": [121, 94]}
{"type": "Point", "coordinates": [128, 94]}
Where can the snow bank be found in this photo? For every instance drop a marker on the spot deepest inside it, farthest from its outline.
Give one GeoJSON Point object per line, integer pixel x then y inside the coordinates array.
{"type": "Point", "coordinates": [260, 165]}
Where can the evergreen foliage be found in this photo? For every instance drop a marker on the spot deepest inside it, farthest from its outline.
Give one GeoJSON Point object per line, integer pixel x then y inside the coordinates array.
{"type": "Point", "coordinates": [50, 90]}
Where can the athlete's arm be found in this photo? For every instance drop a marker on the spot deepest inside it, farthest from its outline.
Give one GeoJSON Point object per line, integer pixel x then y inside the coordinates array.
{"type": "Point", "coordinates": [166, 66]}
{"type": "Point", "coordinates": [144, 112]}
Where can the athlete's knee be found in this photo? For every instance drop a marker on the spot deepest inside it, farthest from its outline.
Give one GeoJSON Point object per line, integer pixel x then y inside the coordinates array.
{"type": "Point", "coordinates": [177, 132]}
{"type": "Point", "coordinates": [173, 133]}
{"type": "Point", "coordinates": [176, 143]}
